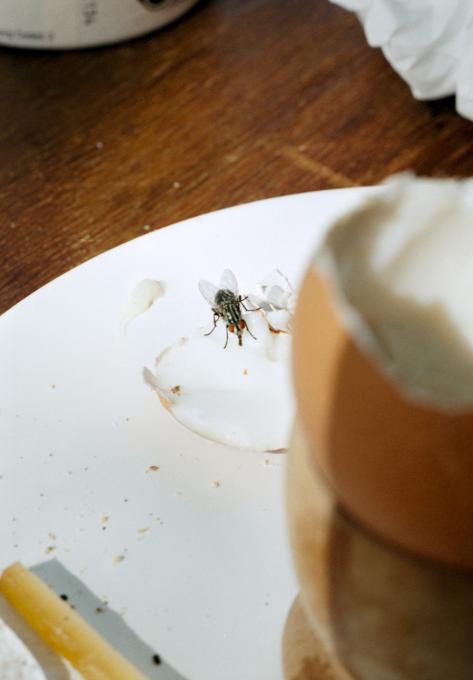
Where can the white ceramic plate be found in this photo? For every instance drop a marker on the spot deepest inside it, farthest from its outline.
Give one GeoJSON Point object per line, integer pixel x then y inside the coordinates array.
{"type": "Point", "coordinates": [206, 578]}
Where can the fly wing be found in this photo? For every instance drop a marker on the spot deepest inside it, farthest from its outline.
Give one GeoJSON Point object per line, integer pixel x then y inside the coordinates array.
{"type": "Point", "coordinates": [229, 282]}
{"type": "Point", "coordinates": [209, 291]}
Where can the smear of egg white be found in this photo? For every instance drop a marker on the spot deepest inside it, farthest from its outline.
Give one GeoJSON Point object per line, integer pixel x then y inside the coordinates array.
{"type": "Point", "coordinates": [240, 396]}
{"type": "Point", "coordinates": [143, 296]}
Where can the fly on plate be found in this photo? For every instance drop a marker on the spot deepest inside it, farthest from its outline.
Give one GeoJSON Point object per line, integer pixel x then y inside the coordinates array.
{"type": "Point", "coordinates": [227, 304]}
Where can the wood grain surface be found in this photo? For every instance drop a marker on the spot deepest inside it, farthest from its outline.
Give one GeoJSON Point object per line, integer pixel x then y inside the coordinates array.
{"type": "Point", "coordinates": [239, 100]}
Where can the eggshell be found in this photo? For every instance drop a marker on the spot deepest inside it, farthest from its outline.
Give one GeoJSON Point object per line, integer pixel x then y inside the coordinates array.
{"type": "Point", "coordinates": [399, 265]}
{"type": "Point", "coordinates": [403, 469]}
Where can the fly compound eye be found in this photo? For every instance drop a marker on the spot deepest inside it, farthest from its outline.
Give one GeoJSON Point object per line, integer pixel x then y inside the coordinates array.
{"type": "Point", "coordinates": [242, 324]}
{"type": "Point", "coordinates": [231, 328]}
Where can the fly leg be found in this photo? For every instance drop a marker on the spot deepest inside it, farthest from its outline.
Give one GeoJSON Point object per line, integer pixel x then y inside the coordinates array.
{"type": "Point", "coordinates": [241, 300]}
{"type": "Point", "coordinates": [242, 325]}
{"type": "Point", "coordinates": [254, 338]}
{"type": "Point", "coordinates": [226, 339]}
{"type": "Point", "coordinates": [215, 319]}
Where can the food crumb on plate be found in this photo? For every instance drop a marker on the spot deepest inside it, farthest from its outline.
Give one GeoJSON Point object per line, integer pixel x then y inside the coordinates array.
{"type": "Point", "coordinates": [153, 468]}
{"type": "Point", "coordinates": [118, 558]}
{"type": "Point", "coordinates": [216, 484]}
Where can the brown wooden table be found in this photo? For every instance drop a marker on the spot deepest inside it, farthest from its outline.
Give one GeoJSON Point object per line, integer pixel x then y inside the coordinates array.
{"type": "Point", "coordinates": [240, 100]}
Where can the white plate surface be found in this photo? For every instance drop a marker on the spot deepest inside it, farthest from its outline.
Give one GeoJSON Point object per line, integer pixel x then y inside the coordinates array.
{"type": "Point", "coordinates": [209, 583]}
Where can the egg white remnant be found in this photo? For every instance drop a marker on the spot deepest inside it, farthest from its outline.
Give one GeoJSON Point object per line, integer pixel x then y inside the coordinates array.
{"type": "Point", "coordinates": [16, 661]}
{"type": "Point", "coordinates": [401, 267]}
{"type": "Point", "coordinates": [144, 295]}
{"type": "Point", "coordinates": [240, 396]}
{"type": "Point", "coordinates": [276, 298]}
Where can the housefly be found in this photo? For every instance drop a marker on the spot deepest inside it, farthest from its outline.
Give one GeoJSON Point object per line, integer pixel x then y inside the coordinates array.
{"type": "Point", "coordinates": [226, 304]}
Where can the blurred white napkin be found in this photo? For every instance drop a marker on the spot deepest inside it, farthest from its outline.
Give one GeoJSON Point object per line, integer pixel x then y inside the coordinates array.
{"type": "Point", "coordinates": [428, 42]}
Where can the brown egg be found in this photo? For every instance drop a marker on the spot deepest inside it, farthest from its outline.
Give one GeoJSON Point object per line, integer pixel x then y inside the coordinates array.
{"type": "Point", "coordinates": [402, 469]}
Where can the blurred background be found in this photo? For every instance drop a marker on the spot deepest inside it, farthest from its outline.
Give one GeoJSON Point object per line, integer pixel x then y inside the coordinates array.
{"type": "Point", "coordinates": [235, 101]}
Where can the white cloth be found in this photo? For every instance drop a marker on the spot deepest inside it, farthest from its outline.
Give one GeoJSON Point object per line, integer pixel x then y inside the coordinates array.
{"type": "Point", "coordinates": [428, 42]}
